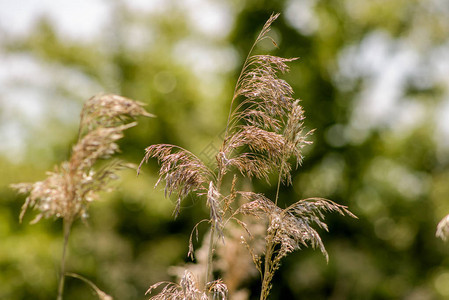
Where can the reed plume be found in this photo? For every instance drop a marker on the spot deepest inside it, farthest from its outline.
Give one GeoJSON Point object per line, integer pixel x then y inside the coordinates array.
{"type": "Point", "coordinates": [288, 229]}
{"type": "Point", "coordinates": [188, 288]}
{"type": "Point", "coordinates": [68, 191]}
{"type": "Point", "coordinates": [182, 171]}
{"type": "Point", "coordinates": [264, 131]}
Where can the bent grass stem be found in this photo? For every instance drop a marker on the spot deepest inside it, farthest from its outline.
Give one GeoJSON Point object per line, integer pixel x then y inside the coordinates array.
{"type": "Point", "coordinates": [67, 225]}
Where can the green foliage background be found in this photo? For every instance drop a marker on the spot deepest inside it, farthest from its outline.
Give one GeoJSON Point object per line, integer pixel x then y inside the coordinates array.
{"type": "Point", "coordinates": [393, 174]}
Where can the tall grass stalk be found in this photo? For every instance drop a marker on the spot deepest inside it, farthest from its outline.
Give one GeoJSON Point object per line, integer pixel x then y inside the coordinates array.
{"type": "Point", "coordinates": [67, 225]}
{"type": "Point", "coordinates": [264, 130]}
{"type": "Point", "coordinates": [68, 191]}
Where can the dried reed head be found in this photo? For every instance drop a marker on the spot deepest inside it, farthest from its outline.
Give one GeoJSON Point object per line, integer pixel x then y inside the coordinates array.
{"type": "Point", "coordinates": [266, 128]}
{"type": "Point", "coordinates": [291, 228]}
{"type": "Point", "coordinates": [108, 110]}
{"type": "Point", "coordinates": [288, 230]}
{"type": "Point", "coordinates": [259, 151]}
{"type": "Point", "coordinates": [188, 288]}
{"type": "Point", "coordinates": [217, 289]}
{"type": "Point", "coordinates": [262, 89]}
{"type": "Point", "coordinates": [68, 190]}
{"type": "Point", "coordinates": [182, 171]}
{"type": "Point", "coordinates": [295, 139]}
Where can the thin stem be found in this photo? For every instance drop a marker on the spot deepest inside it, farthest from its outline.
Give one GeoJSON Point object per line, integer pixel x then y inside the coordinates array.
{"type": "Point", "coordinates": [269, 248]}
{"type": "Point", "coordinates": [210, 254]}
{"type": "Point", "coordinates": [278, 187]}
{"type": "Point", "coordinates": [283, 161]}
{"type": "Point", "coordinates": [66, 227]}
{"type": "Point", "coordinates": [265, 280]}
{"type": "Point", "coordinates": [246, 64]}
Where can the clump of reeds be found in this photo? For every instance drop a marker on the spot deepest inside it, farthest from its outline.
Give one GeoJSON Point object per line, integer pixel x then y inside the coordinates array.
{"type": "Point", "coordinates": [67, 191]}
{"type": "Point", "coordinates": [264, 131]}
